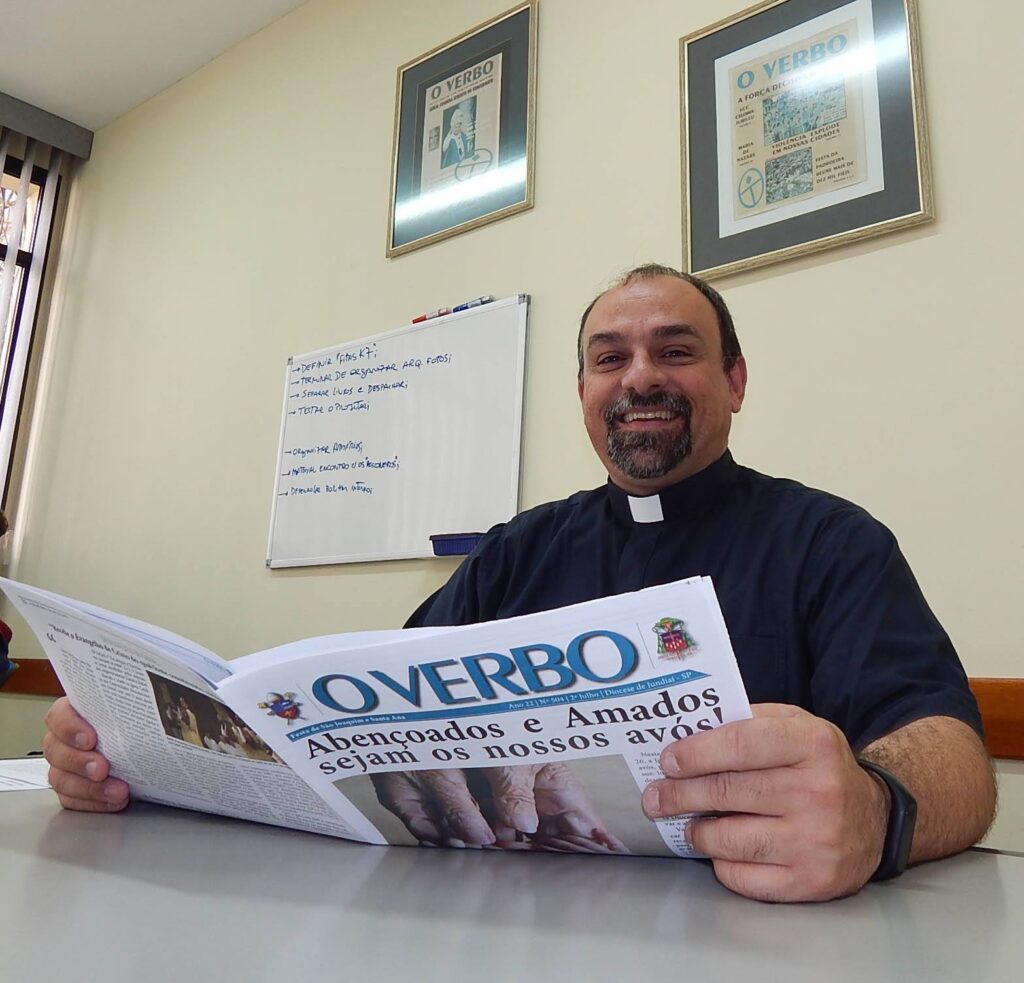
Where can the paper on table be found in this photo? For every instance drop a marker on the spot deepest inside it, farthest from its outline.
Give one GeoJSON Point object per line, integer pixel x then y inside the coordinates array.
{"type": "Point", "coordinates": [23, 774]}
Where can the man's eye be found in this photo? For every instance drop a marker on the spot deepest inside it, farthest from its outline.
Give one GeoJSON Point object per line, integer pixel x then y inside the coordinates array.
{"type": "Point", "coordinates": [609, 358]}
{"type": "Point", "coordinates": [677, 353]}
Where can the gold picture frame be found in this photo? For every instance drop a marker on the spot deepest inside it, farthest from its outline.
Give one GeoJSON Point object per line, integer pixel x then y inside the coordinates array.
{"type": "Point", "coordinates": [802, 128]}
{"type": "Point", "coordinates": [464, 132]}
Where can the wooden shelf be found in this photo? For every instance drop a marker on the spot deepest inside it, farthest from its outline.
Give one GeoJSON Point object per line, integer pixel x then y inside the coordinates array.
{"type": "Point", "coordinates": [34, 677]}
{"type": "Point", "coordinates": [1001, 702]}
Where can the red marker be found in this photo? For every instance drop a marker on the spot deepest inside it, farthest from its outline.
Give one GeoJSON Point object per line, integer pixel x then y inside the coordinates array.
{"type": "Point", "coordinates": [440, 312]}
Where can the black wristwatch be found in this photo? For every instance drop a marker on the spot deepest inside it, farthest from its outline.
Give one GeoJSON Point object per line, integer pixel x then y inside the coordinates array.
{"type": "Point", "coordinates": [899, 833]}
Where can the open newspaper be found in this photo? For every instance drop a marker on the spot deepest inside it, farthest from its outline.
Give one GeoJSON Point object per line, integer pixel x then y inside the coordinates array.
{"type": "Point", "coordinates": [532, 733]}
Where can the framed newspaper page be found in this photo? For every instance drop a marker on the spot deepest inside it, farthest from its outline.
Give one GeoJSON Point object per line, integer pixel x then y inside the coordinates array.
{"type": "Point", "coordinates": [464, 132]}
{"type": "Point", "coordinates": [803, 127]}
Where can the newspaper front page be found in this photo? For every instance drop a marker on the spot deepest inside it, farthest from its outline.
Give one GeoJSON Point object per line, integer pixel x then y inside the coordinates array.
{"type": "Point", "coordinates": [798, 126]}
{"type": "Point", "coordinates": [798, 120]}
{"type": "Point", "coordinates": [534, 733]}
{"type": "Point", "coordinates": [461, 126]}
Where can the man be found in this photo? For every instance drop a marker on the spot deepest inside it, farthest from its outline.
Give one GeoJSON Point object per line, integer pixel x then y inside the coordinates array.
{"type": "Point", "coordinates": [837, 648]}
{"type": "Point", "coordinates": [457, 144]}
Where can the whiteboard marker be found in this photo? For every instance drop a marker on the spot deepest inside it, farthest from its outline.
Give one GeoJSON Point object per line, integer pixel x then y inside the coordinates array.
{"type": "Point", "coordinates": [440, 312]}
{"type": "Point", "coordinates": [487, 299]}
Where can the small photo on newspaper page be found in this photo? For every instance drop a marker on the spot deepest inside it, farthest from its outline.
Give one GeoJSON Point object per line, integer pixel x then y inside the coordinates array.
{"type": "Point", "coordinates": [798, 121]}
{"type": "Point", "coordinates": [195, 718]}
{"type": "Point", "coordinates": [460, 126]}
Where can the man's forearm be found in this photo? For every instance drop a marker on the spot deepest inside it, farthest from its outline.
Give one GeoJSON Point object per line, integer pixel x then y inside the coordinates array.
{"type": "Point", "coordinates": [945, 765]}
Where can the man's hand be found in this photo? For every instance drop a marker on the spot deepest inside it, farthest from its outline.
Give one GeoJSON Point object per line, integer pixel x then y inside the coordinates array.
{"type": "Point", "coordinates": [805, 822]}
{"type": "Point", "coordinates": [539, 807]}
{"type": "Point", "coordinates": [78, 773]}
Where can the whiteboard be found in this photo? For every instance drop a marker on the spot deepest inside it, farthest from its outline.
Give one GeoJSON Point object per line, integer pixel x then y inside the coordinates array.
{"type": "Point", "coordinates": [393, 438]}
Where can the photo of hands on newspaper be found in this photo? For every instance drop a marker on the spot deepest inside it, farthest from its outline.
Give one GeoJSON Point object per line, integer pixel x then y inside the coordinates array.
{"type": "Point", "coordinates": [536, 733]}
{"type": "Point", "coordinates": [542, 808]}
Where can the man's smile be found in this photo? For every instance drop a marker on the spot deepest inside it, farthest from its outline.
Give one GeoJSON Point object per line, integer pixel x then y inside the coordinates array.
{"type": "Point", "coordinates": [647, 419]}
{"type": "Point", "coordinates": [634, 413]}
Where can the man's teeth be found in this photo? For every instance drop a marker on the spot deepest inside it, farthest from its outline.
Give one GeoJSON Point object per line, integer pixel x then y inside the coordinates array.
{"type": "Point", "coordinates": [648, 415]}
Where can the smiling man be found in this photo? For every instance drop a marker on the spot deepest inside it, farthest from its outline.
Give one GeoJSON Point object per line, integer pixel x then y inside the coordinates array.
{"type": "Point", "coordinates": [862, 714]}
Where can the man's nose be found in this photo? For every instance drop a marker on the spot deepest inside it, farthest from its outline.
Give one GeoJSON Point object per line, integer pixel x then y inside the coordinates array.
{"type": "Point", "coordinates": [644, 375]}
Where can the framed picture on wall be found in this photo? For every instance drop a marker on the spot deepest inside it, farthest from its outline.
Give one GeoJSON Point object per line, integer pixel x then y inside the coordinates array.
{"type": "Point", "coordinates": [803, 127]}
{"type": "Point", "coordinates": [464, 132]}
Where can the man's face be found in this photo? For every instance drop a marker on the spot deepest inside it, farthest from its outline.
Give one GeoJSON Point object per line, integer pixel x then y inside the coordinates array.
{"type": "Point", "coordinates": [657, 402]}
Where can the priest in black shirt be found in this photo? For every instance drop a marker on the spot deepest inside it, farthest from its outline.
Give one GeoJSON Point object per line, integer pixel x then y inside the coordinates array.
{"type": "Point", "coordinates": [862, 713]}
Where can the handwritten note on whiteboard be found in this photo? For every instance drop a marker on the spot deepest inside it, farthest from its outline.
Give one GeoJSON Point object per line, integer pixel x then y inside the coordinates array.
{"type": "Point", "coordinates": [388, 440]}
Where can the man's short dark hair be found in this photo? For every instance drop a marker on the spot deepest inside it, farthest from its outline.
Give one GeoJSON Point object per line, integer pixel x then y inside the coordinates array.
{"type": "Point", "coordinates": [730, 343]}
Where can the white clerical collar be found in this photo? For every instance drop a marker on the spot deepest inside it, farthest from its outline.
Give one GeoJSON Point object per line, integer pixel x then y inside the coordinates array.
{"type": "Point", "coordinates": [646, 509]}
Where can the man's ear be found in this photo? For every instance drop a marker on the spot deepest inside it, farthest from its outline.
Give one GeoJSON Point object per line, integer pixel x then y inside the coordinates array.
{"type": "Point", "coordinates": [737, 378]}
{"type": "Point", "coordinates": [579, 388]}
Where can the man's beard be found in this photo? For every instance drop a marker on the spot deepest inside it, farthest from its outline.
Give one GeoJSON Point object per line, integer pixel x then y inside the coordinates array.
{"type": "Point", "coordinates": [648, 453]}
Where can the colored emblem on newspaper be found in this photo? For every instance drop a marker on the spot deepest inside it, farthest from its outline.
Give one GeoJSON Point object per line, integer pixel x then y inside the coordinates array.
{"type": "Point", "coordinates": [282, 705]}
{"type": "Point", "coordinates": [674, 641]}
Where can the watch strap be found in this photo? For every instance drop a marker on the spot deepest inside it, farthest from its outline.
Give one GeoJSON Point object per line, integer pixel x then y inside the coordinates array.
{"type": "Point", "coordinates": [899, 830]}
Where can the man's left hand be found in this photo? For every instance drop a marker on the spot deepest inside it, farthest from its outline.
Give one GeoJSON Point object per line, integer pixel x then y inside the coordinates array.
{"type": "Point", "coordinates": [805, 822]}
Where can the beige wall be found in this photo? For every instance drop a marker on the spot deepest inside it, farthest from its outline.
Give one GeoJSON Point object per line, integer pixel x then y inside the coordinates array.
{"type": "Point", "coordinates": [240, 216]}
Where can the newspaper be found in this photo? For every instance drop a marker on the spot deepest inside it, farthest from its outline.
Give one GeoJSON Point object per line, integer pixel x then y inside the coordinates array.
{"type": "Point", "coordinates": [532, 733]}
{"type": "Point", "coordinates": [461, 125]}
{"type": "Point", "coordinates": [797, 127]}
{"type": "Point", "coordinates": [800, 115]}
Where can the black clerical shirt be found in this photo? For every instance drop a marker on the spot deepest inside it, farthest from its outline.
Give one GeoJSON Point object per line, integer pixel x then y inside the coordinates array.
{"type": "Point", "coordinates": [822, 608]}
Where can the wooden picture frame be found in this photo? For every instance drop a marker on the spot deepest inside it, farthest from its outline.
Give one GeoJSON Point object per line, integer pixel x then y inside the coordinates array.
{"type": "Point", "coordinates": [464, 132]}
{"type": "Point", "coordinates": [803, 128]}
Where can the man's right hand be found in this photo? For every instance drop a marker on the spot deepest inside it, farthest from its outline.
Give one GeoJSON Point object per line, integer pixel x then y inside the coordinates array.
{"type": "Point", "coordinates": [79, 774]}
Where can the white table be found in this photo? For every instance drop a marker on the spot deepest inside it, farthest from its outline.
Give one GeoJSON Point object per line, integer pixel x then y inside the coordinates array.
{"type": "Point", "coordinates": [157, 894]}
